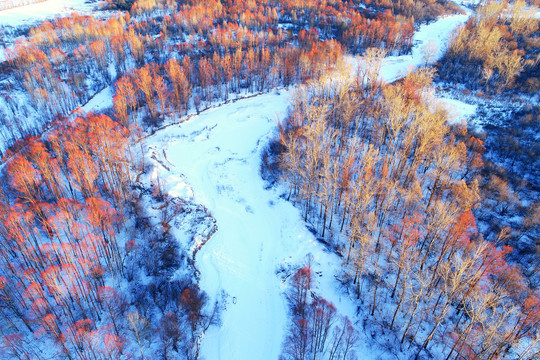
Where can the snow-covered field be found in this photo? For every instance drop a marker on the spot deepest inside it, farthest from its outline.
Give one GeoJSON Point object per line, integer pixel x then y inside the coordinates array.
{"type": "Point", "coordinates": [30, 14]}
{"type": "Point", "coordinates": [102, 100]}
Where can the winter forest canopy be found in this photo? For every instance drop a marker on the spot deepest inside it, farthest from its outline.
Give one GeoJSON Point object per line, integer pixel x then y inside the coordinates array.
{"type": "Point", "coordinates": [263, 179]}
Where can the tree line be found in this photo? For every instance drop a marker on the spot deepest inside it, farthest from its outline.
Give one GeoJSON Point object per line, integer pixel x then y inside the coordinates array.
{"type": "Point", "coordinates": [63, 63]}
{"type": "Point", "coordinates": [495, 48]}
{"type": "Point", "coordinates": [75, 241]}
{"type": "Point", "coordinates": [316, 330]}
{"type": "Point", "coordinates": [179, 84]}
{"type": "Point", "coordinates": [379, 173]}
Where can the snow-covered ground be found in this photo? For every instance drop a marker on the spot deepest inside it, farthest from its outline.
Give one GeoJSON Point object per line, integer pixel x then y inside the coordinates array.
{"type": "Point", "coordinates": [101, 101]}
{"type": "Point", "coordinates": [433, 36]}
{"type": "Point", "coordinates": [31, 14]}
{"type": "Point", "coordinates": [458, 111]}
{"type": "Point", "coordinates": [259, 233]}
{"type": "Point", "coordinates": [429, 45]}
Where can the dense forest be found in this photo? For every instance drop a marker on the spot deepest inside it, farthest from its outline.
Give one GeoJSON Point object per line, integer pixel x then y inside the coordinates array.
{"type": "Point", "coordinates": [378, 172]}
{"type": "Point", "coordinates": [98, 260]}
{"type": "Point", "coordinates": [501, 66]}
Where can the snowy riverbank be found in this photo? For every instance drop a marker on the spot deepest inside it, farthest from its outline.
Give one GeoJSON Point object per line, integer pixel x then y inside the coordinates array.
{"type": "Point", "coordinates": [259, 233]}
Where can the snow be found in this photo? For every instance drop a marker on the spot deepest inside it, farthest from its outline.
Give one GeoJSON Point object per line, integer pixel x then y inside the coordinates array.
{"type": "Point", "coordinates": [242, 256]}
{"type": "Point", "coordinates": [435, 34]}
{"type": "Point", "coordinates": [33, 13]}
{"type": "Point", "coordinates": [458, 111]}
{"type": "Point", "coordinates": [101, 101]}
{"type": "Point", "coordinates": [225, 179]}
{"type": "Point", "coordinates": [469, 3]}
{"type": "Point", "coordinates": [177, 186]}
{"type": "Point", "coordinates": [3, 52]}
{"type": "Point", "coordinates": [259, 232]}
{"type": "Point", "coordinates": [215, 158]}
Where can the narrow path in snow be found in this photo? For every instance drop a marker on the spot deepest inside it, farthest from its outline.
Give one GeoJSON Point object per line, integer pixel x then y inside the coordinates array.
{"type": "Point", "coordinates": [219, 153]}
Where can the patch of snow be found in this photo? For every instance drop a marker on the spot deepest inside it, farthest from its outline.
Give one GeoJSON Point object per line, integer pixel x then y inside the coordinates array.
{"type": "Point", "coordinates": [101, 101]}
{"type": "Point", "coordinates": [468, 3]}
{"type": "Point", "coordinates": [177, 185]}
{"type": "Point", "coordinates": [458, 111]}
{"type": "Point", "coordinates": [33, 13]}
